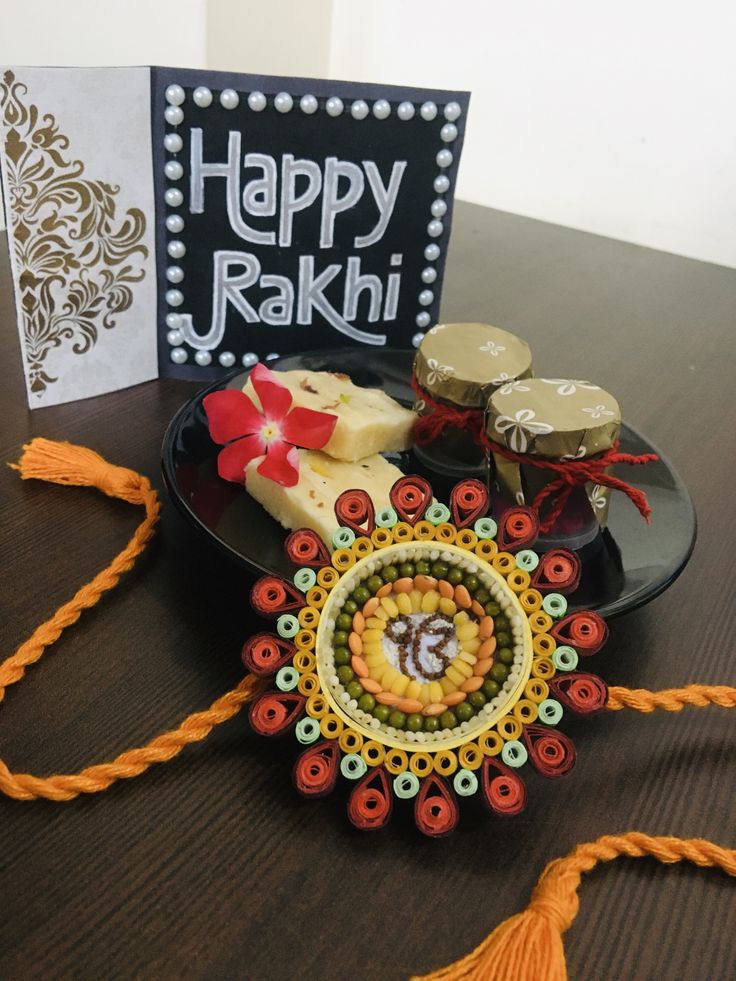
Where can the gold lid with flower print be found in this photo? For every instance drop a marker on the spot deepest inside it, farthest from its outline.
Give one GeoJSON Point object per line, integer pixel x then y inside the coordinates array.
{"type": "Point", "coordinates": [463, 364]}
{"type": "Point", "coordinates": [556, 419]}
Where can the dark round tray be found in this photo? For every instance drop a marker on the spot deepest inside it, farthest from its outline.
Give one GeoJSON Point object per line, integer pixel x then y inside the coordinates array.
{"type": "Point", "coordinates": [625, 567]}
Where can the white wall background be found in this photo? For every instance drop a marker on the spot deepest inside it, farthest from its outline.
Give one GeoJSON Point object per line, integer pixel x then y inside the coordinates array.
{"type": "Point", "coordinates": [614, 118]}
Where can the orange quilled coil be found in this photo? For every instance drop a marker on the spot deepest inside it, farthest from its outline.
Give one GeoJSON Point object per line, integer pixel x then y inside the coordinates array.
{"type": "Point", "coordinates": [354, 509]}
{"type": "Point", "coordinates": [305, 547]}
{"type": "Point", "coordinates": [275, 712]}
{"type": "Point", "coordinates": [317, 768]}
{"type": "Point", "coordinates": [469, 500]}
{"type": "Point", "coordinates": [264, 654]}
{"type": "Point", "coordinates": [271, 596]}
{"type": "Point", "coordinates": [410, 497]}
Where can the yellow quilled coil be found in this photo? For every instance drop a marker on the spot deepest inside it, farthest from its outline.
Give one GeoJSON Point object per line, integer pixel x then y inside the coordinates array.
{"type": "Point", "coordinates": [331, 725]}
{"type": "Point", "coordinates": [445, 762]}
{"type": "Point", "coordinates": [361, 547]}
{"type": "Point", "coordinates": [490, 743]}
{"type": "Point", "coordinates": [531, 600]}
{"type": "Point", "coordinates": [350, 741]}
{"type": "Point", "coordinates": [509, 728]}
{"type": "Point", "coordinates": [381, 537]}
{"type": "Point", "coordinates": [308, 617]}
{"type": "Point", "coordinates": [374, 753]}
{"type": "Point", "coordinates": [542, 667]}
{"type": "Point", "coordinates": [503, 562]}
{"type": "Point", "coordinates": [486, 549]}
{"type": "Point", "coordinates": [420, 764]}
{"type": "Point", "coordinates": [317, 705]}
{"type": "Point", "coordinates": [327, 577]}
{"type": "Point", "coordinates": [518, 580]}
{"type": "Point", "coordinates": [317, 597]}
{"type": "Point", "coordinates": [540, 622]}
{"type": "Point", "coordinates": [305, 640]}
{"type": "Point", "coordinates": [308, 684]}
{"type": "Point", "coordinates": [525, 711]}
{"type": "Point", "coordinates": [402, 532]}
{"type": "Point", "coordinates": [470, 756]}
{"type": "Point", "coordinates": [544, 645]}
{"type": "Point", "coordinates": [304, 660]}
{"type": "Point", "coordinates": [396, 761]}
{"type": "Point", "coordinates": [445, 533]}
{"type": "Point", "coordinates": [466, 538]}
{"type": "Point", "coordinates": [536, 690]}
{"type": "Point", "coordinates": [424, 531]}
{"type": "Point", "coordinates": [343, 559]}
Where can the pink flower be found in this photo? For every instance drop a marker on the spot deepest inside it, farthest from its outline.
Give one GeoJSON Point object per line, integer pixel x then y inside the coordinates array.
{"type": "Point", "coordinates": [273, 433]}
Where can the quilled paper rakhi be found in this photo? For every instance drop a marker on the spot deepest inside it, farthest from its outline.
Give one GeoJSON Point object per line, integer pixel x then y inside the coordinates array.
{"type": "Point", "coordinates": [428, 657]}
{"type": "Point", "coordinates": [480, 753]}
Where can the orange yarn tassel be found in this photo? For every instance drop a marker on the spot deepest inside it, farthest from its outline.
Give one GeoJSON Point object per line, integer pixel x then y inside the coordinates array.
{"type": "Point", "coordinates": [64, 463]}
{"type": "Point", "coordinates": [528, 946]}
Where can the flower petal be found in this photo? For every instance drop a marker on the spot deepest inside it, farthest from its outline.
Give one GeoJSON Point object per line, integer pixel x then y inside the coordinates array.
{"type": "Point", "coordinates": [232, 461]}
{"type": "Point", "coordinates": [281, 464]}
{"type": "Point", "coordinates": [230, 414]}
{"type": "Point", "coordinates": [308, 428]}
{"type": "Point", "coordinates": [275, 397]}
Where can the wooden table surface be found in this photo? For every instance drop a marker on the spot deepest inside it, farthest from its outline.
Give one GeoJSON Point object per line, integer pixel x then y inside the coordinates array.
{"type": "Point", "coordinates": [210, 866]}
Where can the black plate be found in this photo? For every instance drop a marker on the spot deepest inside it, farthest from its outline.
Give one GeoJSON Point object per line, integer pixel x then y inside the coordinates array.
{"type": "Point", "coordinates": [624, 568]}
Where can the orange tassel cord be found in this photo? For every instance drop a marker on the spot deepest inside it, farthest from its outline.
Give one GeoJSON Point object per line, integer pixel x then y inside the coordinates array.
{"type": "Point", "coordinates": [63, 463]}
{"type": "Point", "coordinates": [528, 946]}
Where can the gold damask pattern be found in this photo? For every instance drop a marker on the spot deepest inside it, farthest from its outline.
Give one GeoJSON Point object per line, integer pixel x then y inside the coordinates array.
{"type": "Point", "coordinates": [75, 262]}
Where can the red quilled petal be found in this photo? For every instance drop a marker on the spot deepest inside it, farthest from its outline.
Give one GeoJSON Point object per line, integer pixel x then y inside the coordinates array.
{"type": "Point", "coordinates": [281, 464]}
{"type": "Point", "coordinates": [233, 459]}
{"type": "Point", "coordinates": [308, 428]}
{"type": "Point", "coordinates": [231, 414]}
{"type": "Point", "coordinates": [275, 398]}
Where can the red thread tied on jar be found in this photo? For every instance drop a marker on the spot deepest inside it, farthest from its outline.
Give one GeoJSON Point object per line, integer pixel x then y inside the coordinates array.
{"type": "Point", "coordinates": [411, 496]}
{"type": "Point", "coordinates": [558, 570]}
{"type": "Point", "coordinates": [580, 692]}
{"type": "Point", "coordinates": [271, 596]}
{"type": "Point", "coordinates": [316, 769]}
{"type": "Point", "coordinates": [518, 528]}
{"type": "Point", "coordinates": [263, 654]}
{"type": "Point", "coordinates": [469, 501]}
{"type": "Point", "coordinates": [585, 631]}
{"type": "Point", "coordinates": [275, 712]}
{"type": "Point", "coordinates": [371, 801]}
{"type": "Point", "coordinates": [551, 752]}
{"type": "Point", "coordinates": [504, 792]}
{"type": "Point", "coordinates": [354, 509]}
{"type": "Point", "coordinates": [435, 808]}
{"type": "Point", "coordinates": [305, 547]}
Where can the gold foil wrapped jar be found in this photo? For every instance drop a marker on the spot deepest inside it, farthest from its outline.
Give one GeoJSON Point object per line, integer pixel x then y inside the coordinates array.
{"type": "Point", "coordinates": [571, 424]}
{"type": "Point", "coordinates": [456, 369]}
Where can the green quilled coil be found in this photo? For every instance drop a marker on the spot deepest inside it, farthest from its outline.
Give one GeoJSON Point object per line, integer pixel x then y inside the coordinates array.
{"type": "Point", "coordinates": [550, 711]}
{"type": "Point", "coordinates": [406, 785]}
{"type": "Point", "coordinates": [343, 537]}
{"type": "Point", "coordinates": [438, 514]}
{"type": "Point", "coordinates": [485, 528]}
{"type": "Point", "coordinates": [565, 658]}
{"type": "Point", "coordinates": [514, 753]}
{"type": "Point", "coordinates": [555, 604]}
{"type": "Point", "coordinates": [287, 626]}
{"type": "Point", "coordinates": [287, 678]}
{"type": "Point", "coordinates": [353, 766]}
{"type": "Point", "coordinates": [307, 731]}
{"type": "Point", "coordinates": [527, 560]}
{"type": "Point", "coordinates": [465, 783]}
{"type": "Point", "coordinates": [386, 517]}
{"type": "Point", "coordinates": [304, 579]}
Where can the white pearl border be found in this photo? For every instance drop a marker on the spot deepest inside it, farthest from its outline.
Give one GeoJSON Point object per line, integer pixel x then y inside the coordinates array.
{"type": "Point", "coordinates": [284, 103]}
